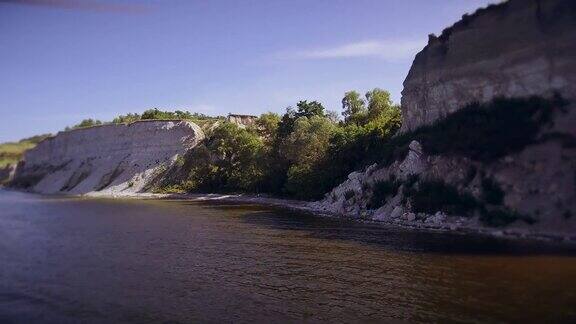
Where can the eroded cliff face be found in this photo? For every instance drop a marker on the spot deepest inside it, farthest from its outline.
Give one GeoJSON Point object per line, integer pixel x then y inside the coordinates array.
{"type": "Point", "coordinates": [108, 159]}
{"type": "Point", "coordinates": [505, 164]}
{"type": "Point", "coordinates": [515, 49]}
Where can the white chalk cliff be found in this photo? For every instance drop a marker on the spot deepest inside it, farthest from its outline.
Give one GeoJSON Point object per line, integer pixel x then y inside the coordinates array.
{"type": "Point", "coordinates": [108, 159]}
{"type": "Point", "coordinates": [514, 49]}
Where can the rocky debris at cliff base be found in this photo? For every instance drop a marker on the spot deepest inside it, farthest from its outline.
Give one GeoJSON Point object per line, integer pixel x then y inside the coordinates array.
{"type": "Point", "coordinates": [489, 193]}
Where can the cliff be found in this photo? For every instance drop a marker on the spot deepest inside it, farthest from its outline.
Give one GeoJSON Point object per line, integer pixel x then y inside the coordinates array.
{"type": "Point", "coordinates": [108, 159]}
{"type": "Point", "coordinates": [515, 49]}
{"type": "Point", "coordinates": [488, 138]}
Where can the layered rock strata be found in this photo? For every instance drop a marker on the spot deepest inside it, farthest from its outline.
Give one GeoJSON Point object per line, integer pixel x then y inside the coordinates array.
{"type": "Point", "coordinates": [517, 48]}
{"type": "Point", "coordinates": [108, 159]}
{"type": "Point", "coordinates": [513, 50]}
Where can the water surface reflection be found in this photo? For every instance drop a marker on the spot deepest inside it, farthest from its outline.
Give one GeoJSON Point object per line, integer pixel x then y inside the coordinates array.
{"type": "Point", "coordinates": [72, 260]}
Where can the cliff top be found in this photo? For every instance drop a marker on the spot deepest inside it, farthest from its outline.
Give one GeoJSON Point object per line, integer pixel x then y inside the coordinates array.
{"type": "Point", "coordinates": [467, 18]}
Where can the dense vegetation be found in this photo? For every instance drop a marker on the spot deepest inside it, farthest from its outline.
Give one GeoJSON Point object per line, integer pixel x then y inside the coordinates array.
{"type": "Point", "coordinates": [150, 114]}
{"type": "Point", "coordinates": [482, 132]}
{"type": "Point", "coordinates": [302, 154]}
{"type": "Point", "coordinates": [157, 114]}
{"type": "Point", "coordinates": [306, 152]}
{"type": "Point", "coordinates": [85, 123]}
{"type": "Point", "coordinates": [382, 191]}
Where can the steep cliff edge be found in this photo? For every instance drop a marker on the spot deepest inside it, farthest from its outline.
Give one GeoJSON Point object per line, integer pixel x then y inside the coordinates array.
{"type": "Point", "coordinates": [515, 49]}
{"type": "Point", "coordinates": [488, 139]}
{"type": "Point", "coordinates": [108, 159]}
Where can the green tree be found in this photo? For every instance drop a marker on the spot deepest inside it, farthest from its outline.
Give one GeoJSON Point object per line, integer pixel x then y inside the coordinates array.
{"type": "Point", "coordinates": [286, 124]}
{"type": "Point", "coordinates": [85, 123]}
{"type": "Point", "coordinates": [267, 125]}
{"type": "Point", "coordinates": [386, 124]}
{"type": "Point", "coordinates": [353, 108]}
{"type": "Point", "coordinates": [126, 119]}
{"type": "Point", "coordinates": [156, 114]}
{"type": "Point", "coordinates": [238, 155]}
{"type": "Point", "coordinates": [309, 109]}
{"type": "Point", "coordinates": [303, 109]}
{"type": "Point", "coordinates": [305, 148]}
{"type": "Point", "coordinates": [379, 103]}
{"type": "Point", "coordinates": [309, 140]}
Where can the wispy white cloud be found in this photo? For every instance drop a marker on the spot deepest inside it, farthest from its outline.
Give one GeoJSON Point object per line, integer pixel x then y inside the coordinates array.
{"type": "Point", "coordinates": [390, 50]}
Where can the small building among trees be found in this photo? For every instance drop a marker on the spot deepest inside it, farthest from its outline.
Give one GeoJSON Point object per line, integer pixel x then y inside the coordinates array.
{"type": "Point", "coordinates": [242, 120]}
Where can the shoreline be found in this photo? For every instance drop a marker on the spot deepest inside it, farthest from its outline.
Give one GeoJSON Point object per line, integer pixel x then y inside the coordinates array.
{"type": "Point", "coordinates": [305, 207]}
{"type": "Point", "coordinates": [515, 234]}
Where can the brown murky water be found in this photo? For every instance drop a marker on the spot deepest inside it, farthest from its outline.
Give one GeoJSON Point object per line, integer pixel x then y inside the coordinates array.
{"type": "Point", "coordinates": [103, 261]}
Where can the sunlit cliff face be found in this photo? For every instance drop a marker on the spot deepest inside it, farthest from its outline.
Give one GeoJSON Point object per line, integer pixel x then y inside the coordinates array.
{"type": "Point", "coordinates": [109, 158]}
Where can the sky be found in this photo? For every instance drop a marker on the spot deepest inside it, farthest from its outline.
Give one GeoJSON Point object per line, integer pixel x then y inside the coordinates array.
{"type": "Point", "coordinates": [62, 61]}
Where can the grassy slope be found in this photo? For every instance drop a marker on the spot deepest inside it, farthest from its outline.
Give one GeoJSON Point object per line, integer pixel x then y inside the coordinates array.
{"type": "Point", "coordinates": [11, 153]}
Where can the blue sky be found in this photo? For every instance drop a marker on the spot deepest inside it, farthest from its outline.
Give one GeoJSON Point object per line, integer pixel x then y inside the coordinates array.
{"type": "Point", "coordinates": [65, 60]}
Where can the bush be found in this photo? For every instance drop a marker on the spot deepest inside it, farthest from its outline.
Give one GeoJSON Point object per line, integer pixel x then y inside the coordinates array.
{"type": "Point", "coordinates": [489, 131]}
{"type": "Point", "coordinates": [381, 191]}
{"type": "Point", "coordinates": [433, 196]}
{"type": "Point", "coordinates": [85, 123]}
{"type": "Point", "coordinates": [353, 147]}
{"type": "Point", "coordinates": [481, 132]}
{"type": "Point", "coordinates": [157, 114]}
{"type": "Point", "coordinates": [300, 182]}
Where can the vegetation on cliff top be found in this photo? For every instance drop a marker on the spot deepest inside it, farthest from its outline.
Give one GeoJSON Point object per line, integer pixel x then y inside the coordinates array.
{"type": "Point", "coordinates": [157, 114]}
{"type": "Point", "coordinates": [151, 114]}
{"type": "Point", "coordinates": [85, 123]}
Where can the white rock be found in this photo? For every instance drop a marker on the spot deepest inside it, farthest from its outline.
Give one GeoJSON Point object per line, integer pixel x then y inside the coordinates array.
{"type": "Point", "coordinates": [438, 218]}
{"type": "Point", "coordinates": [413, 163]}
{"type": "Point", "coordinates": [410, 217]}
{"type": "Point", "coordinates": [110, 159]}
{"type": "Point", "coordinates": [397, 212]}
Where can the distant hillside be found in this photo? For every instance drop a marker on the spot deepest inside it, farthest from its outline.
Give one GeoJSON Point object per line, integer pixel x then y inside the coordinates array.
{"type": "Point", "coordinates": [11, 152]}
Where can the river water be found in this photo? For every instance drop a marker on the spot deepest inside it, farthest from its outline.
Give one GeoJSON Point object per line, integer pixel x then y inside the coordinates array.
{"type": "Point", "coordinates": [70, 260]}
